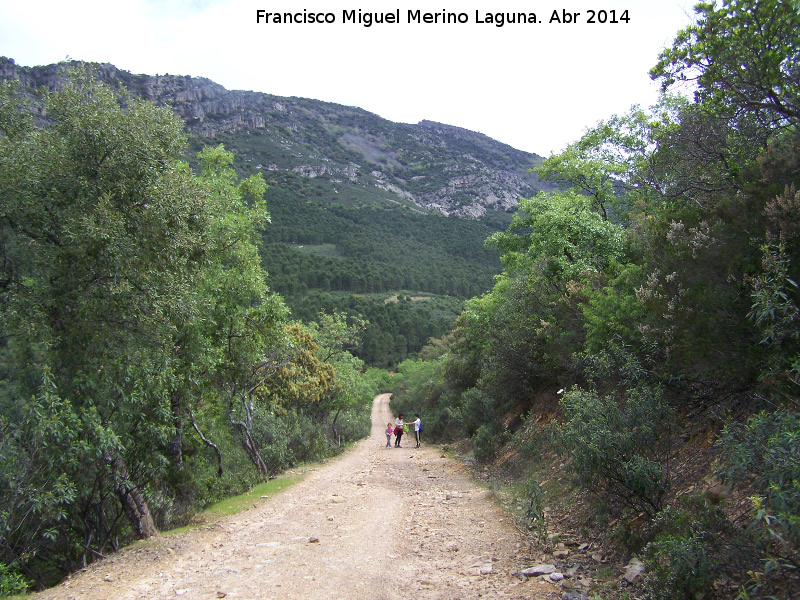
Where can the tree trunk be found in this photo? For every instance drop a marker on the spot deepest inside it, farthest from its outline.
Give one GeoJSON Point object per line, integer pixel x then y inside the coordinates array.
{"type": "Point", "coordinates": [333, 428]}
{"type": "Point", "coordinates": [207, 442]}
{"type": "Point", "coordinates": [252, 451]}
{"type": "Point", "coordinates": [132, 501]}
{"type": "Point", "coordinates": [249, 444]}
{"type": "Point", "coordinates": [250, 448]}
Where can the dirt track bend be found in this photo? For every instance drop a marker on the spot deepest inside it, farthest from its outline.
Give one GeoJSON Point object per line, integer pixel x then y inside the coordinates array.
{"type": "Point", "coordinates": [390, 524]}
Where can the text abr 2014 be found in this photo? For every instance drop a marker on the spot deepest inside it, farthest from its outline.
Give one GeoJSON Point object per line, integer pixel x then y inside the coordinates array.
{"type": "Point", "coordinates": [443, 17]}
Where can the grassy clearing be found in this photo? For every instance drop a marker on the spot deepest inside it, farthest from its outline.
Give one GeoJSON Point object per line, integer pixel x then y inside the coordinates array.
{"type": "Point", "coordinates": [244, 501]}
{"type": "Point", "coordinates": [236, 504]}
{"type": "Point", "coordinates": [418, 298]}
{"type": "Point", "coordinates": [327, 250]}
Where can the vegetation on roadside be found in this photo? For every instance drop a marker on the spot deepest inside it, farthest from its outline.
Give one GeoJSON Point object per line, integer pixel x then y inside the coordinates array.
{"type": "Point", "coordinates": [650, 307]}
{"type": "Point", "coordinates": [240, 502]}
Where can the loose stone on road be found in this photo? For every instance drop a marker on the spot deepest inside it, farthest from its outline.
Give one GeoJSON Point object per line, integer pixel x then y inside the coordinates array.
{"type": "Point", "coordinates": [377, 523]}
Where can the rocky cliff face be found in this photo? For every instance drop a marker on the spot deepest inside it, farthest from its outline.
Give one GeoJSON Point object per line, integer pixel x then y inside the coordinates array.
{"type": "Point", "coordinates": [431, 165]}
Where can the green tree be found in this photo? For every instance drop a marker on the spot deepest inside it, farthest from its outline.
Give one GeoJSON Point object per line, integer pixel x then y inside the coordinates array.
{"type": "Point", "coordinates": [338, 337]}
{"type": "Point", "coordinates": [99, 227]}
{"type": "Point", "coordinates": [607, 161]}
{"type": "Point", "coordinates": [129, 286]}
{"type": "Point", "coordinates": [660, 286]}
{"type": "Point", "coordinates": [561, 232]}
{"type": "Point", "coordinates": [743, 55]}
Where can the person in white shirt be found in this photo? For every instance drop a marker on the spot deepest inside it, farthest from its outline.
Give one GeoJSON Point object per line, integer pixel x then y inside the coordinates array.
{"type": "Point", "coordinates": [417, 427]}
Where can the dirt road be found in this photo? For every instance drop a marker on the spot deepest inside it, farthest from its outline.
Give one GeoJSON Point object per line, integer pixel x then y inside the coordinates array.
{"type": "Point", "coordinates": [377, 523]}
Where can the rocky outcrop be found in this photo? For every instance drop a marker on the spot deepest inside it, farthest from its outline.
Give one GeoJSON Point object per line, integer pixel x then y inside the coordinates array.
{"type": "Point", "coordinates": [436, 166]}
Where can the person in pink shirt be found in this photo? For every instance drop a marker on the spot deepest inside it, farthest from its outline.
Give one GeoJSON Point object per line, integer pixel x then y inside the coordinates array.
{"type": "Point", "coordinates": [389, 432]}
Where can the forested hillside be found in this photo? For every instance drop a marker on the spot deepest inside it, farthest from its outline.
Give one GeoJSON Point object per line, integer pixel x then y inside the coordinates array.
{"type": "Point", "coordinates": [360, 259]}
{"type": "Point", "coordinates": [646, 327]}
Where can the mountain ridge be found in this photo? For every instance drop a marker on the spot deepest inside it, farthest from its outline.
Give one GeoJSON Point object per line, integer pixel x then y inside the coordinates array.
{"type": "Point", "coordinates": [428, 165]}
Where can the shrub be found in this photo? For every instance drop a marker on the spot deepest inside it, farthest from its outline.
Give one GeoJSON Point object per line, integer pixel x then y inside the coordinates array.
{"type": "Point", "coordinates": [487, 440]}
{"type": "Point", "coordinates": [354, 424]}
{"type": "Point", "coordinates": [420, 388]}
{"type": "Point", "coordinates": [765, 451]}
{"type": "Point", "coordinates": [288, 439]}
{"type": "Point", "coordinates": [619, 450]}
{"type": "Point", "coordinates": [478, 412]}
{"type": "Point", "coordinates": [680, 568]}
{"type": "Point", "coordinates": [767, 447]}
{"type": "Point", "coordinates": [379, 380]}
{"type": "Point", "coordinates": [198, 482]}
{"type": "Point", "coordinates": [11, 582]}
{"type": "Point", "coordinates": [535, 514]}
{"type": "Point", "coordinates": [446, 420]}
{"type": "Point", "coordinates": [689, 542]}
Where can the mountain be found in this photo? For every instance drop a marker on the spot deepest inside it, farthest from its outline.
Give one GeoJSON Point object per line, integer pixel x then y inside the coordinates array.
{"type": "Point", "coordinates": [361, 156]}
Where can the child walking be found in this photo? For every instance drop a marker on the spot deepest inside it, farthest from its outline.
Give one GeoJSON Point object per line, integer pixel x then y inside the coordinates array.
{"type": "Point", "coordinates": [389, 432]}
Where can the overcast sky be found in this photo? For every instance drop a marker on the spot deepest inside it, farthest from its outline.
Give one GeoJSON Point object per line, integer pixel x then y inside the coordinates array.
{"type": "Point", "coordinates": [536, 87]}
